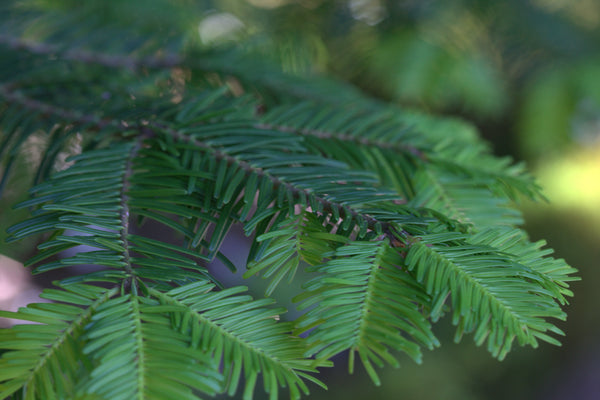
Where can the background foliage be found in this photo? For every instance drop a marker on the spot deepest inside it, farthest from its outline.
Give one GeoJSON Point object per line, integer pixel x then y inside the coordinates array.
{"type": "Point", "coordinates": [530, 88]}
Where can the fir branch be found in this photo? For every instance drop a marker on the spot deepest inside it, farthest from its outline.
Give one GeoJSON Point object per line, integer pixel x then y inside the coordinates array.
{"type": "Point", "coordinates": [362, 302]}
{"type": "Point", "coordinates": [328, 206]}
{"type": "Point", "coordinates": [69, 115]}
{"type": "Point", "coordinates": [124, 214]}
{"type": "Point", "coordinates": [340, 188]}
{"type": "Point", "coordinates": [345, 137]}
{"type": "Point", "coordinates": [149, 129]}
{"type": "Point", "coordinates": [152, 128]}
{"type": "Point", "coordinates": [486, 286]}
{"type": "Point", "coordinates": [128, 62]}
{"type": "Point", "coordinates": [243, 335]}
{"type": "Point", "coordinates": [58, 327]}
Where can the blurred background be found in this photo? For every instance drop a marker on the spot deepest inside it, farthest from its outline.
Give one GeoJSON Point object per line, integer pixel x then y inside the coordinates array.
{"type": "Point", "coordinates": [526, 73]}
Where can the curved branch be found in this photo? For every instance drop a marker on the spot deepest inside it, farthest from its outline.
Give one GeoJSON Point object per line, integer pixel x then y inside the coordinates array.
{"type": "Point", "coordinates": [149, 129]}
{"type": "Point", "coordinates": [328, 206]}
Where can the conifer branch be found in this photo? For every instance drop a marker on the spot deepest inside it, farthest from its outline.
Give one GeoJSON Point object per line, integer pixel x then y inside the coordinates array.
{"type": "Point", "coordinates": [150, 129]}
{"type": "Point", "coordinates": [128, 62]}
{"type": "Point", "coordinates": [298, 193]}
{"type": "Point", "coordinates": [76, 324]}
{"type": "Point", "coordinates": [147, 130]}
{"type": "Point", "coordinates": [124, 214]}
{"type": "Point", "coordinates": [344, 137]}
{"type": "Point", "coordinates": [73, 116]}
{"type": "Point", "coordinates": [400, 216]}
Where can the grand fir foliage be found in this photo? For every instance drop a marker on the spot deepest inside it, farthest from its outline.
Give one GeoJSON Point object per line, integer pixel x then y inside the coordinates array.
{"type": "Point", "coordinates": [397, 217]}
